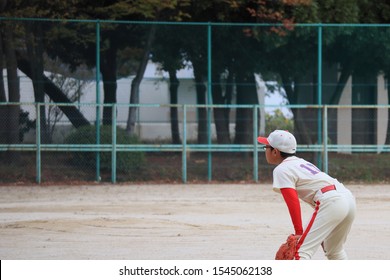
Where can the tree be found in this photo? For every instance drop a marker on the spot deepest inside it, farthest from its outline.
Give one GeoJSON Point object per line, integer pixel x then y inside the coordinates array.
{"type": "Point", "coordinates": [79, 48]}
{"type": "Point", "coordinates": [157, 10]}
{"type": "Point", "coordinates": [13, 86]}
{"type": "Point", "coordinates": [349, 50]}
{"type": "Point", "coordinates": [285, 52]}
{"type": "Point", "coordinates": [71, 87]}
{"type": "Point", "coordinates": [11, 112]}
{"type": "Point", "coordinates": [168, 51]}
{"type": "Point", "coordinates": [55, 94]}
{"type": "Point", "coordinates": [229, 58]}
{"type": "Point", "coordinates": [30, 45]}
{"type": "Point", "coordinates": [293, 57]}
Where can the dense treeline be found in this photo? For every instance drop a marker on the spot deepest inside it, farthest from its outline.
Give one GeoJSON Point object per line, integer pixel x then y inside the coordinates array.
{"type": "Point", "coordinates": [278, 51]}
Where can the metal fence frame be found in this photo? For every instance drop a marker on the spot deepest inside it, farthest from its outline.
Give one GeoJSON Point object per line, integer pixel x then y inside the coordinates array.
{"type": "Point", "coordinates": [322, 149]}
{"type": "Point", "coordinates": [209, 26]}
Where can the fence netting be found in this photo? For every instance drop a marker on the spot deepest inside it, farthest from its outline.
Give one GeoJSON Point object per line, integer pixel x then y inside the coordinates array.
{"type": "Point", "coordinates": [173, 102]}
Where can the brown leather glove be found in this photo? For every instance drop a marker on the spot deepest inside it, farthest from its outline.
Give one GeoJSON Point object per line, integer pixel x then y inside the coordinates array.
{"type": "Point", "coordinates": [288, 249]}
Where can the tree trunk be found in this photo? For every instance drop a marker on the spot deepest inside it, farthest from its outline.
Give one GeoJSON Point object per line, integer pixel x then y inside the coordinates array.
{"type": "Point", "coordinates": [221, 122]}
{"type": "Point", "coordinates": [228, 96]}
{"type": "Point", "coordinates": [108, 68]}
{"type": "Point", "coordinates": [3, 97]}
{"type": "Point", "coordinates": [13, 93]}
{"type": "Point", "coordinates": [346, 72]}
{"type": "Point", "coordinates": [173, 90]}
{"type": "Point", "coordinates": [3, 4]}
{"type": "Point", "coordinates": [387, 142]}
{"type": "Point", "coordinates": [35, 52]}
{"type": "Point", "coordinates": [301, 130]}
{"type": "Point", "coordinates": [246, 95]}
{"type": "Point", "coordinates": [200, 100]}
{"type": "Point", "coordinates": [135, 84]}
{"type": "Point", "coordinates": [55, 94]}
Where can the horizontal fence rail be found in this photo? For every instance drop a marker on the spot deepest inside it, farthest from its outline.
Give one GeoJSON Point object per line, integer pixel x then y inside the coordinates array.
{"type": "Point", "coordinates": [105, 83]}
{"type": "Point", "coordinates": [187, 146]}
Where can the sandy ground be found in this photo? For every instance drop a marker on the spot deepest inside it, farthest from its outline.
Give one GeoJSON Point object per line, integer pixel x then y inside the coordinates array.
{"type": "Point", "coordinates": [170, 222]}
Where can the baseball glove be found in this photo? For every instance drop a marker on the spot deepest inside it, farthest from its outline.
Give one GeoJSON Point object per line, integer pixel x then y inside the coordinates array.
{"type": "Point", "coordinates": [287, 249]}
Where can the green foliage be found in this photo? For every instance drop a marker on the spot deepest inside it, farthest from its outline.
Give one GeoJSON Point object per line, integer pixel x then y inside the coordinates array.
{"type": "Point", "coordinates": [278, 120]}
{"type": "Point", "coordinates": [126, 161]}
{"type": "Point", "coordinates": [25, 124]}
{"type": "Point", "coordinates": [336, 11]}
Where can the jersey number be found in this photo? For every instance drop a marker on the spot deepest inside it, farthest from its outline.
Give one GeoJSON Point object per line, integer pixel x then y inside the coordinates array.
{"type": "Point", "coordinates": [311, 168]}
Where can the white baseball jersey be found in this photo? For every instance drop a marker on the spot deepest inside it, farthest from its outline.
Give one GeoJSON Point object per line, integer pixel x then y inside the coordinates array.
{"type": "Point", "coordinates": [334, 210]}
{"type": "Point", "coordinates": [305, 177]}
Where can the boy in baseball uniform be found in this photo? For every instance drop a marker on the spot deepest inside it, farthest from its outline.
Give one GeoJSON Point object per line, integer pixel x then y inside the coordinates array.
{"type": "Point", "coordinates": [297, 179]}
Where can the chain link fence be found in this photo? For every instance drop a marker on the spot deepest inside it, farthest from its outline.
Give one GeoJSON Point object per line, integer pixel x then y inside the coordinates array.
{"type": "Point", "coordinates": [107, 153]}
{"type": "Point", "coordinates": [184, 102]}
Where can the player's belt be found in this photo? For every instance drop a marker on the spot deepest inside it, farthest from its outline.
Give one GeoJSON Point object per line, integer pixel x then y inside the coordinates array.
{"type": "Point", "coordinates": [328, 188]}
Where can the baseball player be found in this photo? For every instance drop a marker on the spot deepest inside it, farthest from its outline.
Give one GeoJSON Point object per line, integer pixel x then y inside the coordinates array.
{"type": "Point", "coordinates": [334, 205]}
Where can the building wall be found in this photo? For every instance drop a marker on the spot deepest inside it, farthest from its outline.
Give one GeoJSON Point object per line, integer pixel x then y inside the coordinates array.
{"type": "Point", "coordinates": [154, 121]}
{"type": "Point", "coordinates": [344, 118]}
{"type": "Point", "coordinates": [344, 128]}
{"type": "Point", "coordinates": [382, 115]}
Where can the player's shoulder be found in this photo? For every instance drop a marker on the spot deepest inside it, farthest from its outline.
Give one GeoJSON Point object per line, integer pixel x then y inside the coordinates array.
{"type": "Point", "coordinates": [291, 163]}
{"type": "Point", "coordinates": [291, 160]}
{"type": "Point", "coordinates": [288, 163]}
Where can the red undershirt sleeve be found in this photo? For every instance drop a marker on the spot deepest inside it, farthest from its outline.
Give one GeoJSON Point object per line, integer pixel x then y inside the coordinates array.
{"type": "Point", "coordinates": [294, 207]}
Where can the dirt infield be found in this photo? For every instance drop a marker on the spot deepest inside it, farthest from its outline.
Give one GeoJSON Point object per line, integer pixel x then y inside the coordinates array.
{"type": "Point", "coordinates": [170, 222]}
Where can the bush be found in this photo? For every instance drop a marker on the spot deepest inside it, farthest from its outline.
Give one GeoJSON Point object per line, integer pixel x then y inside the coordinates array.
{"type": "Point", "coordinates": [25, 124]}
{"type": "Point", "coordinates": [278, 121]}
{"type": "Point", "coordinates": [125, 161]}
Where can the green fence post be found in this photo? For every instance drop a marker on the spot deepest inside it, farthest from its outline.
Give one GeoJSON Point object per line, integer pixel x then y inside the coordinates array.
{"type": "Point", "coordinates": [184, 152]}
{"type": "Point", "coordinates": [209, 100]}
{"type": "Point", "coordinates": [325, 151]}
{"type": "Point", "coordinates": [319, 92]}
{"type": "Point", "coordinates": [38, 143]}
{"type": "Point", "coordinates": [255, 146]}
{"type": "Point", "coordinates": [113, 143]}
{"type": "Point", "coordinates": [98, 178]}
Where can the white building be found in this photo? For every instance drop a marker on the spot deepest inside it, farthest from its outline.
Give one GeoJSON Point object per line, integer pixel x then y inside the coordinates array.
{"type": "Point", "coordinates": [153, 121]}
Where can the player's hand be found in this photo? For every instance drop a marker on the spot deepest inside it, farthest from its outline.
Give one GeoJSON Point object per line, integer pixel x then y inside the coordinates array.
{"type": "Point", "coordinates": [287, 250]}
